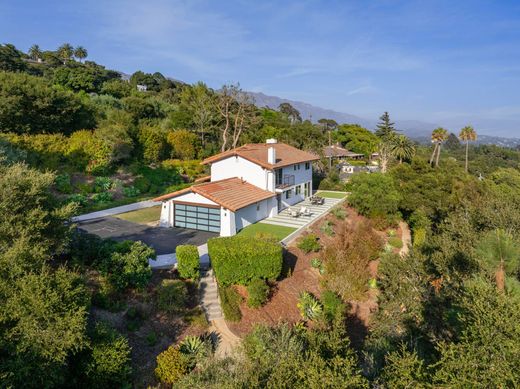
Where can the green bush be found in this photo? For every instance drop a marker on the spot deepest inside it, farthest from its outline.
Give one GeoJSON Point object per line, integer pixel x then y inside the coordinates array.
{"type": "Point", "coordinates": [395, 242]}
{"type": "Point", "coordinates": [171, 365]}
{"type": "Point", "coordinates": [258, 292]}
{"type": "Point", "coordinates": [78, 198]}
{"type": "Point", "coordinates": [339, 212]}
{"type": "Point", "coordinates": [309, 243]}
{"type": "Point", "coordinates": [188, 261]}
{"type": "Point", "coordinates": [391, 233]}
{"type": "Point", "coordinates": [230, 301]}
{"type": "Point", "coordinates": [131, 191]}
{"type": "Point", "coordinates": [142, 184]}
{"type": "Point", "coordinates": [128, 265]}
{"type": "Point", "coordinates": [108, 365]}
{"type": "Point", "coordinates": [172, 296]}
{"type": "Point", "coordinates": [332, 305]}
{"type": "Point", "coordinates": [103, 197]}
{"type": "Point", "coordinates": [151, 339]}
{"type": "Point", "coordinates": [240, 259]}
{"type": "Point", "coordinates": [62, 183]}
{"type": "Point", "coordinates": [102, 184]}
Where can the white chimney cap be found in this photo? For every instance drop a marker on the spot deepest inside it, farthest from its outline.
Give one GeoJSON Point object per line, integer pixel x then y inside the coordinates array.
{"type": "Point", "coordinates": [271, 141]}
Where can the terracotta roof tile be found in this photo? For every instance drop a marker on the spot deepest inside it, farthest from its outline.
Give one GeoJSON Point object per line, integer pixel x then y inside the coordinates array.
{"type": "Point", "coordinates": [257, 153]}
{"type": "Point", "coordinates": [338, 151]}
{"type": "Point", "coordinates": [231, 193]}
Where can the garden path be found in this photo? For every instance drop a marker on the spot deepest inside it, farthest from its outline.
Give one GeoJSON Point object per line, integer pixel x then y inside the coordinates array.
{"type": "Point", "coordinates": [406, 238]}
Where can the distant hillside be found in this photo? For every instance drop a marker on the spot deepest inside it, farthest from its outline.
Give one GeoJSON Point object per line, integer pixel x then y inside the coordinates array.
{"type": "Point", "coordinates": [415, 129]}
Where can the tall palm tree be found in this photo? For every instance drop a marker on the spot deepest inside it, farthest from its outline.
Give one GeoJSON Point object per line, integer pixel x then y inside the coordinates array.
{"type": "Point", "coordinates": [402, 148]}
{"type": "Point", "coordinates": [65, 52]}
{"type": "Point", "coordinates": [35, 52]}
{"type": "Point", "coordinates": [80, 53]}
{"type": "Point", "coordinates": [467, 134]}
{"type": "Point", "coordinates": [500, 254]}
{"type": "Point", "coordinates": [439, 136]}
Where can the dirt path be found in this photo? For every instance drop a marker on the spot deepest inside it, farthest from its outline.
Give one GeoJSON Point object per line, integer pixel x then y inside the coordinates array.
{"type": "Point", "coordinates": [406, 238]}
{"type": "Point", "coordinates": [227, 340]}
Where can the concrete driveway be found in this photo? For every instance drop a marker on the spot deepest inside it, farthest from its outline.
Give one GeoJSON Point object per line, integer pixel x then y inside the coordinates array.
{"type": "Point", "coordinates": [163, 240]}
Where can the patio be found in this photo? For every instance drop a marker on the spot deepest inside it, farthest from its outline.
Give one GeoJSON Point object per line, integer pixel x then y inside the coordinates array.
{"type": "Point", "coordinates": [285, 218]}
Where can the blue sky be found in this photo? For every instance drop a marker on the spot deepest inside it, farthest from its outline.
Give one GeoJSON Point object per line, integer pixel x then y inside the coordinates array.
{"type": "Point", "coordinates": [446, 62]}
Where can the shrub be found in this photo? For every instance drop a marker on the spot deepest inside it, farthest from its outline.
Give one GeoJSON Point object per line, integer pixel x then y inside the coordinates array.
{"type": "Point", "coordinates": [339, 212]}
{"type": "Point", "coordinates": [88, 249]}
{"type": "Point", "coordinates": [151, 339]}
{"type": "Point", "coordinates": [102, 184]}
{"type": "Point", "coordinates": [327, 228]}
{"type": "Point", "coordinates": [128, 265]}
{"type": "Point", "coordinates": [103, 197]}
{"type": "Point", "coordinates": [131, 191]}
{"type": "Point", "coordinates": [108, 365]}
{"type": "Point", "coordinates": [188, 261]}
{"type": "Point", "coordinates": [258, 291]}
{"type": "Point", "coordinates": [332, 305]}
{"type": "Point", "coordinates": [240, 259]}
{"type": "Point", "coordinates": [395, 242]}
{"type": "Point", "coordinates": [142, 184]}
{"type": "Point", "coordinates": [391, 233]}
{"type": "Point", "coordinates": [309, 243]}
{"type": "Point", "coordinates": [316, 263]}
{"type": "Point", "coordinates": [134, 319]}
{"type": "Point", "coordinates": [309, 306]}
{"type": "Point", "coordinates": [230, 301]}
{"type": "Point", "coordinates": [62, 183]}
{"type": "Point", "coordinates": [375, 195]}
{"type": "Point", "coordinates": [78, 198]}
{"type": "Point", "coordinates": [172, 296]}
{"type": "Point", "coordinates": [196, 317]}
{"type": "Point", "coordinates": [346, 260]}
{"type": "Point", "coordinates": [171, 365]}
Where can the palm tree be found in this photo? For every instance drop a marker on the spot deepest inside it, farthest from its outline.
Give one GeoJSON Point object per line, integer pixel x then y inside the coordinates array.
{"type": "Point", "coordinates": [35, 52]}
{"type": "Point", "coordinates": [500, 254]}
{"type": "Point", "coordinates": [402, 148]}
{"type": "Point", "coordinates": [65, 52]}
{"type": "Point", "coordinates": [439, 136]}
{"type": "Point", "coordinates": [80, 53]}
{"type": "Point", "coordinates": [467, 134]}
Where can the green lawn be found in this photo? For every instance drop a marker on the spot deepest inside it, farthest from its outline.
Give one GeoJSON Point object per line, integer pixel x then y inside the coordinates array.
{"type": "Point", "coordinates": [331, 195]}
{"type": "Point", "coordinates": [142, 216]}
{"type": "Point", "coordinates": [279, 232]}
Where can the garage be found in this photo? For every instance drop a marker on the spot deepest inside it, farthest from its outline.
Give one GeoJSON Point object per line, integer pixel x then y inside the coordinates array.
{"type": "Point", "coordinates": [197, 217]}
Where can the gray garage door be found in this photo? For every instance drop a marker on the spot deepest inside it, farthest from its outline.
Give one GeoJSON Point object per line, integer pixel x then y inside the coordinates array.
{"type": "Point", "coordinates": [197, 218]}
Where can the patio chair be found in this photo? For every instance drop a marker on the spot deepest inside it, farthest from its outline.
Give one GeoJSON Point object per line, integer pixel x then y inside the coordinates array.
{"type": "Point", "coordinates": [294, 213]}
{"type": "Point", "coordinates": [305, 211]}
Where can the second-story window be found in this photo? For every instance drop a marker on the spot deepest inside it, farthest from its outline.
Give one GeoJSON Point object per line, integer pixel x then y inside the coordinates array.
{"type": "Point", "coordinates": [307, 165]}
{"type": "Point", "coordinates": [279, 176]}
{"type": "Point", "coordinates": [294, 167]}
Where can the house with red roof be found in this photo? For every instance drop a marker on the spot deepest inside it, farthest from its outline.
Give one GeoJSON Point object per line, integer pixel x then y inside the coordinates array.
{"type": "Point", "coordinates": [247, 184]}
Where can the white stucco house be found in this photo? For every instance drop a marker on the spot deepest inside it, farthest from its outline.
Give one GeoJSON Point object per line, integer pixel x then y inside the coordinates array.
{"type": "Point", "coordinates": [247, 184]}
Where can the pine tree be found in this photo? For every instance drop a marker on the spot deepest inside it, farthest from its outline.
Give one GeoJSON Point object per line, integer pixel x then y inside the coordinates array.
{"type": "Point", "coordinates": [385, 128]}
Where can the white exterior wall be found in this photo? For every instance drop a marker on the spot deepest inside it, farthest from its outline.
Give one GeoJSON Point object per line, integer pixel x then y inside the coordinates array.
{"type": "Point", "coordinates": [255, 212]}
{"type": "Point", "coordinates": [227, 222]}
{"type": "Point", "coordinates": [241, 168]}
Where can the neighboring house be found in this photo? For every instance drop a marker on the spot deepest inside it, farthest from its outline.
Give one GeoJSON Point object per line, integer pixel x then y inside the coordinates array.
{"type": "Point", "coordinates": [247, 184]}
{"type": "Point", "coordinates": [346, 170]}
{"type": "Point", "coordinates": [142, 88]}
{"type": "Point", "coordinates": [339, 153]}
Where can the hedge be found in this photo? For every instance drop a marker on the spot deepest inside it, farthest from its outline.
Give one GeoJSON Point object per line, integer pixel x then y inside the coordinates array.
{"type": "Point", "coordinates": [240, 259]}
{"type": "Point", "coordinates": [230, 301]}
{"type": "Point", "coordinates": [188, 261]}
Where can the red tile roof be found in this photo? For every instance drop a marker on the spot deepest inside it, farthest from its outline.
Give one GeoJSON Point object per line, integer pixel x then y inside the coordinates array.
{"type": "Point", "coordinates": [257, 153]}
{"type": "Point", "coordinates": [231, 193]}
{"type": "Point", "coordinates": [338, 151]}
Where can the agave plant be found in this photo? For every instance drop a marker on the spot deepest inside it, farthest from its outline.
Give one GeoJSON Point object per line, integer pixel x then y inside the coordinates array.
{"type": "Point", "coordinates": [192, 345]}
{"type": "Point", "coordinates": [315, 263]}
{"type": "Point", "coordinates": [309, 306]}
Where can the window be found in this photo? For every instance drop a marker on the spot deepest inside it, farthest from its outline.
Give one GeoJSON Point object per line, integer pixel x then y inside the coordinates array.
{"type": "Point", "coordinates": [288, 194]}
{"type": "Point", "coordinates": [279, 176]}
{"type": "Point", "coordinates": [298, 166]}
{"type": "Point", "coordinates": [294, 167]}
{"type": "Point", "coordinates": [258, 206]}
{"type": "Point", "coordinates": [298, 190]}
{"type": "Point", "coordinates": [307, 165]}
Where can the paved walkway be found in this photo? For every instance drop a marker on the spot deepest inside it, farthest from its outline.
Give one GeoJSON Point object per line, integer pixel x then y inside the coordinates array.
{"type": "Point", "coordinates": [406, 238]}
{"type": "Point", "coordinates": [116, 210]}
{"type": "Point", "coordinates": [285, 219]}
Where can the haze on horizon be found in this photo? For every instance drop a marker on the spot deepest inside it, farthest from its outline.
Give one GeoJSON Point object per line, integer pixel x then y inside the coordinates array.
{"type": "Point", "coordinates": [445, 62]}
